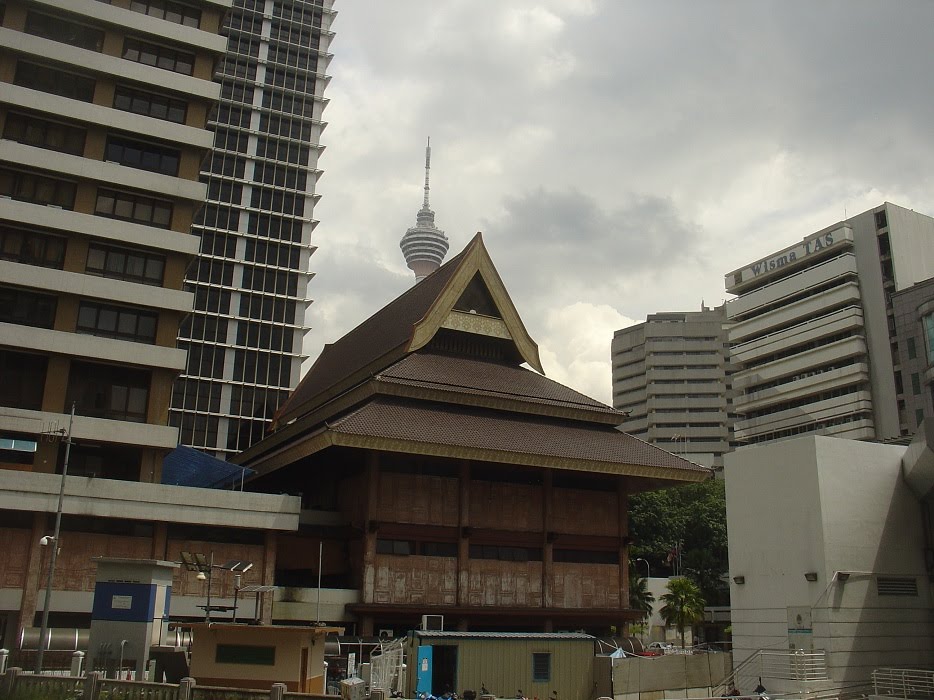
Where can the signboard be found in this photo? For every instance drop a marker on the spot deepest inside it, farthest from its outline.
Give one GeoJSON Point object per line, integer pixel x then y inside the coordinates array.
{"type": "Point", "coordinates": [121, 602]}
{"type": "Point", "coordinates": [351, 665]}
{"type": "Point", "coordinates": [800, 629]}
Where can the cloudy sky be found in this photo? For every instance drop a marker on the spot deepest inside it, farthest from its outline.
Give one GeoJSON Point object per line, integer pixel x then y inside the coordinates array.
{"type": "Point", "coordinates": [619, 156]}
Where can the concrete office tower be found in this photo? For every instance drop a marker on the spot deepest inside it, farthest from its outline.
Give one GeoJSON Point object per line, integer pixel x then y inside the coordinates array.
{"type": "Point", "coordinates": [103, 110]}
{"type": "Point", "coordinates": [670, 374]}
{"type": "Point", "coordinates": [424, 245]}
{"type": "Point", "coordinates": [812, 331]}
{"type": "Point", "coordinates": [251, 279]}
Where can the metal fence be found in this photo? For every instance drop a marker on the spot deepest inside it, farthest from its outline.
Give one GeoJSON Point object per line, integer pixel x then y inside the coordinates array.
{"type": "Point", "coordinates": [903, 682]}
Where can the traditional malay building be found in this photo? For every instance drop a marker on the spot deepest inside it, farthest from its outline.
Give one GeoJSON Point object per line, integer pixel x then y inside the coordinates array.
{"type": "Point", "coordinates": [441, 476]}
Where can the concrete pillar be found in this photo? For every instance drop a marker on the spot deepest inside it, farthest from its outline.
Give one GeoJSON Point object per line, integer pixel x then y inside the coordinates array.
{"type": "Point", "coordinates": [77, 664]}
{"type": "Point", "coordinates": [9, 681]}
{"type": "Point", "coordinates": [277, 691]}
{"type": "Point", "coordinates": [463, 538]}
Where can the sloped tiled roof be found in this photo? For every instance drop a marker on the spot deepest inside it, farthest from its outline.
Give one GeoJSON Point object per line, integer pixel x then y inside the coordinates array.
{"type": "Point", "coordinates": [469, 375]}
{"type": "Point", "coordinates": [382, 332]}
{"type": "Point", "coordinates": [523, 435]}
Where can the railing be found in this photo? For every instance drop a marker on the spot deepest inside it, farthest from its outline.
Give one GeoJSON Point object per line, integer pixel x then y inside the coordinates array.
{"type": "Point", "coordinates": [133, 690]}
{"type": "Point", "coordinates": [903, 682]}
{"type": "Point", "coordinates": [18, 685]}
{"type": "Point", "coordinates": [803, 666]}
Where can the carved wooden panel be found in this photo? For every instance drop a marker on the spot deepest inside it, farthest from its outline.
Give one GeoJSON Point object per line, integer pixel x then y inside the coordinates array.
{"type": "Point", "coordinates": [413, 498]}
{"type": "Point", "coordinates": [75, 570]}
{"type": "Point", "coordinates": [415, 580]}
{"type": "Point", "coordinates": [584, 512]}
{"type": "Point", "coordinates": [500, 506]}
{"type": "Point", "coordinates": [585, 585]}
{"type": "Point", "coordinates": [503, 583]}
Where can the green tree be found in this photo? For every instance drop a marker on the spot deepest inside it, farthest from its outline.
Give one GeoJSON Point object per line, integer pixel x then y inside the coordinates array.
{"type": "Point", "coordinates": [640, 597]}
{"type": "Point", "coordinates": [683, 604]}
{"type": "Point", "coordinates": [694, 515]}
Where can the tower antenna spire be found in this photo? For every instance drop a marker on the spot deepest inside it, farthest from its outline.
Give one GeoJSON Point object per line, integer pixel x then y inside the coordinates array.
{"type": "Point", "coordinates": [427, 170]}
{"type": "Point", "coordinates": [424, 245]}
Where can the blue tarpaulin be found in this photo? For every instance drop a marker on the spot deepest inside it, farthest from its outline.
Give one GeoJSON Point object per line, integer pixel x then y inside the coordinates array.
{"type": "Point", "coordinates": [185, 466]}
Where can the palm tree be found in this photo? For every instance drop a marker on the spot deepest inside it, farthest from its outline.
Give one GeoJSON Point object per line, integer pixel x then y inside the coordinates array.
{"type": "Point", "coordinates": [640, 598]}
{"type": "Point", "coordinates": [683, 604]}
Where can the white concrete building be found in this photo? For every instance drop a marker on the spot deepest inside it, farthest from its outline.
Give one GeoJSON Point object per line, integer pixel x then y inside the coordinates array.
{"type": "Point", "coordinates": [829, 551]}
{"type": "Point", "coordinates": [812, 334]}
{"type": "Point", "coordinates": [670, 374]}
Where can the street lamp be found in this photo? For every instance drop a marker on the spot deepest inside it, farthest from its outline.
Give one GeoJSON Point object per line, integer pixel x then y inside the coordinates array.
{"type": "Point", "coordinates": [648, 570]}
{"type": "Point", "coordinates": [54, 538]}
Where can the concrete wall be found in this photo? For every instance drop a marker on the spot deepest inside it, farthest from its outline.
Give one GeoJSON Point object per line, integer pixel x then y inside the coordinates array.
{"type": "Point", "coordinates": [824, 505]}
{"type": "Point", "coordinates": [672, 676]}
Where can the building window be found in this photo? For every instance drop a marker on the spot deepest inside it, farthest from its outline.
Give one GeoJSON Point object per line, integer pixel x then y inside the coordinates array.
{"type": "Point", "coordinates": [108, 391]}
{"type": "Point", "coordinates": [158, 56]}
{"type": "Point", "coordinates": [197, 429]}
{"type": "Point", "coordinates": [919, 416]}
{"type": "Point", "coordinates": [37, 189]}
{"type": "Point", "coordinates": [397, 547]}
{"type": "Point", "coordinates": [912, 350]}
{"type": "Point", "coordinates": [541, 667]}
{"type": "Point", "coordinates": [22, 380]}
{"type": "Point", "coordinates": [579, 556]}
{"type": "Point", "coordinates": [915, 384]}
{"type": "Point", "coordinates": [42, 133]}
{"type": "Point", "coordinates": [149, 104]}
{"type": "Point", "coordinates": [132, 207]}
{"type": "Point", "coordinates": [502, 553]}
{"type": "Point", "coordinates": [117, 322]}
{"type": "Point", "coordinates": [142, 155]}
{"type": "Point", "coordinates": [65, 31]}
{"type": "Point", "coordinates": [27, 308]}
{"type": "Point", "coordinates": [54, 81]}
{"type": "Point", "coordinates": [32, 247]}
{"type": "Point", "coordinates": [881, 220]}
{"type": "Point", "coordinates": [124, 264]}
{"type": "Point", "coordinates": [169, 11]}
{"type": "Point", "coordinates": [928, 324]}
{"type": "Point", "coordinates": [245, 654]}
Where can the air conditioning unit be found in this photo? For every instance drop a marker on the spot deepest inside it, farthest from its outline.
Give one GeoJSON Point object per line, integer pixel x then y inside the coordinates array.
{"type": "Point", "coordinates": [432, 623]}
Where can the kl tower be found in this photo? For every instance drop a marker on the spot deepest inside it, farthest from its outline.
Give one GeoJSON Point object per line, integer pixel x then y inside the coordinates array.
{"type": "Point", "coordinates": [424, 245]}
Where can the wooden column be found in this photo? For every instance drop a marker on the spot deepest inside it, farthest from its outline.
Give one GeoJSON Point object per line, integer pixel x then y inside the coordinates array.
{"type": "Point", "coordinates": [269, 574]}
{"type": "Point", "coordinates": [463, 539]}
{"type": "Point", "coordinates": [32, 582]}
{"type": "Point", "coordinates": [622, 491]}
{"type": "Point", "coordinates": [160, 536]}
{"type": "Point", "coordinates": [548, 569]}
{"type": "Point", "coordinates": [370, 527]}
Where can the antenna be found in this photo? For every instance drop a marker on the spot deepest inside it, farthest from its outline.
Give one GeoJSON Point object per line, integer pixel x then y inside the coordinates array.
{"type": "Point", "coordinates": [427, 169]}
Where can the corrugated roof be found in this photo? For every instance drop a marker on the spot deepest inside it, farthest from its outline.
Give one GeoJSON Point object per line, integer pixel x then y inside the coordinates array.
{"type": "Point", "coordinates": [484, 377]}
{"type": "Point", "coordinates": [557, 636]}
{"type": "Point", "coordinates": [521, 434]}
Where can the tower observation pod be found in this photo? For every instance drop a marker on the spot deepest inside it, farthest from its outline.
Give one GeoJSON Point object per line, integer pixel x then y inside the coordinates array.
{"type": "Point", "coordinates": [424, 245]}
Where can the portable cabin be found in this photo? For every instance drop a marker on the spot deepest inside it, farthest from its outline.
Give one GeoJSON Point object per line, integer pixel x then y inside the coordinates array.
{"type": "Point", "coordinates": [543, 665]}
{"type": "Point", "coordinates": [256, 656]}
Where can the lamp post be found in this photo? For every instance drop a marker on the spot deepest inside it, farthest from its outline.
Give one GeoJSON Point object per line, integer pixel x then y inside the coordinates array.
{"type": "Point", "coordinates": [54, 539]}
{"type": "Point", "coordinates": [648, 570]}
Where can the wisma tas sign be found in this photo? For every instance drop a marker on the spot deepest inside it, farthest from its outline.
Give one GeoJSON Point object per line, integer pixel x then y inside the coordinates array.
{"type": "Point", "coordinates": [810, 246]}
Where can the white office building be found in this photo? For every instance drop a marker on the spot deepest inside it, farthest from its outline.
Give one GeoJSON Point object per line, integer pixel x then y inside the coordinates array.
{"type": "Point", "coordinates": [812, 331]}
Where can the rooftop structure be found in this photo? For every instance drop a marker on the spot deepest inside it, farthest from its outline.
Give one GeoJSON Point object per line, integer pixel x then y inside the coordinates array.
{"type": "Point", "coordinates": [424, 245]}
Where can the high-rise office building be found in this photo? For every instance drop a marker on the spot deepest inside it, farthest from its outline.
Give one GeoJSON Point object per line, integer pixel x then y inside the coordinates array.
{"type": "Point", "coordinates": [914, 329]}
{"type": "Point", "coordinates": [250, 281]}
{"type": "Point", "coordinates": [103, 110]}
{"type": "Point", "coordinates": [671, 376]}
{"type": "Point", "coordinates": [812, 331]}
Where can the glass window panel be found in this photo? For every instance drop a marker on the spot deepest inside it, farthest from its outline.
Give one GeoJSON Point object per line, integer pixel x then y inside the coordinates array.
{"type": "Point", "coordinates": [87, 316]}
{"type": "Point", "coordinates": [118, 398]}
{"type": "Point", "coordinates": [124, 208]}
{"type": "Point", "coordinates": [135, 265]}
{"type": "Point", "coordinates": [116, 262]}
{"type": "Point", "coordinates": [96, 258]}
{"type": "Point", "coordinates": [126, 324]}
{"type": "Point", "coordinates": [107, 320]}
{"type": "Point", "coordinates": [137, 401]}
{"type": "Point", "coordinates": [146, 327]}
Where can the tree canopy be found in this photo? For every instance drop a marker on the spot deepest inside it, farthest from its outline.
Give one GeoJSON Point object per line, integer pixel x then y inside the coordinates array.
{"type": "Point", "coordinates": [692, 515]}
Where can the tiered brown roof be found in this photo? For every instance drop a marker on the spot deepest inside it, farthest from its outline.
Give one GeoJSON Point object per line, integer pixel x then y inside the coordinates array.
{"type": "Point", "coordinates": [385, 386]}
